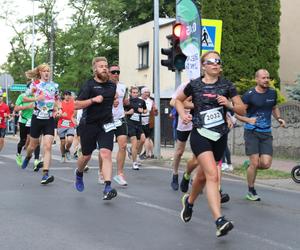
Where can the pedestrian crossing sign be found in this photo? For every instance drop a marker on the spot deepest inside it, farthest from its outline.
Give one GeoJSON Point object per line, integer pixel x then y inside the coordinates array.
{"type": "Point", "coordinates": [211, 35]}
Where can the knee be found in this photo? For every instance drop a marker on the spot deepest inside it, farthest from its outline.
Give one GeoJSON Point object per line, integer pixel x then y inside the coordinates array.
{"type": "Point", "coordinates": [122, 147]}
{"type": "Point", "coordinates": [264, 165]}
{"type": "Point", "coordinates": [212, 177]}
{"type": "Point", "coordinates": [105, 153]}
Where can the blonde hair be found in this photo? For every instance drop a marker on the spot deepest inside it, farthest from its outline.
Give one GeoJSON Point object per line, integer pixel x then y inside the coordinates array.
{"type": "Point", "coordinates": [98, 59]}
{"type": "Point", "coordinates": [35, 73]}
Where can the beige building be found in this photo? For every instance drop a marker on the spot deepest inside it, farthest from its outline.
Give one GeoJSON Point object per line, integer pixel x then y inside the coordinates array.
{"type": "Point", "coordinates": [289, 41]}
{"type": "Point", "coordinates": [136, 51]}
{"type": "Point", "coordinates": [136, 57]}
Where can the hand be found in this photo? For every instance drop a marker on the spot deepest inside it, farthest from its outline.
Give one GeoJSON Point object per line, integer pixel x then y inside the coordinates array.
{"type": "Point", "coordinates": [97, 99]}
{"type": "Point", "coordinates": [130, 112]}
{"type": "Point", "coordinates": [31, 106]}
{"type": "Point", "coordinates": [126, 101]}
{"type": "Point", "coordinates": [252, 120]}
{"type": "Point", "coordinates": [281, 122]}
{"type": "Point", "coordinates": [40, 97]}
{"type": "Point", "coordinates": [187, 118]}
{"type": "Point", "coordinates": [222, 100]}
{"type": "Point", "coordinates": [140, 110]}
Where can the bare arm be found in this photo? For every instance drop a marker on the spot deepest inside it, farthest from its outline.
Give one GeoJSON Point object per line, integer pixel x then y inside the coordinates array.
{"type": "Point", "coordinates": [86, 103]}
{"type": "Point", "coordinates": [179, 104]}
{"type": "Point", "coordinates": [276, 114]}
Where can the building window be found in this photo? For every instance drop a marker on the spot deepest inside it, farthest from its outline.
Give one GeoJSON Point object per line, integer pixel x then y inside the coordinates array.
{"type": "Point", "coordinates": [143, 55]}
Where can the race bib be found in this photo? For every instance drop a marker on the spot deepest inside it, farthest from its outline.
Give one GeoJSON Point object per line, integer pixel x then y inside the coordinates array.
{"type": "Point", "coordinates": [28, 123]}
{"type": "Point", "coordinates": [43, 115]}
{"type": "Point", "coordinates": [109, 127]}
{"type": "Point", "coordinates": [135, 117]}
{"type": "Point", "coordinates": [212, 117]}
{"type": "Point", "coordinates": [66, 123]}
{"type": "Point", "coordinates": [118, 123]}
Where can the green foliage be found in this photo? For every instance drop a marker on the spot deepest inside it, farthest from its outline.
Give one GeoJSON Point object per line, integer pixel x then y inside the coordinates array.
{"type": "Point", "coordinates": [294, 91]}
{"type": "Point", "coordinates": [250, 35]}
{"type": "Point", "coordinates": [243, 85]}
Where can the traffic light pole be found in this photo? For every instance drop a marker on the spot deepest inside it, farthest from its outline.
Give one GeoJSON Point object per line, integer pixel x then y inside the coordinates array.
{"type": "Point", "coordinates": [156, 81]}
{"type": "Point", "coordinates": [177, 78]}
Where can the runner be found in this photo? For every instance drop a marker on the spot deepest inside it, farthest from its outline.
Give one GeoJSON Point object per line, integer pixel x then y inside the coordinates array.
{"type": "Point", "coordinates": [182, 133]}
{"type": "Point", "coordinates": [261, 103]}
{"type": "Point", "coordinates": [151, 111]}
{"type": "Point", "coordinates": [4, 114]}
{"type": "Point", "coordinates": [45, 94]}
{"type": "Point", "coordinates": [97, 128]}
{"type": "Point", "coordinates": [120, 123]}
{"type": "Point", "coordinates": [26, 110]}
{"type": "Point", "coordinates": [209, 134]}
{"type": "Point", "coordinates": [134, 123]}
{"type": "Point", "coordinates": [66, 125]}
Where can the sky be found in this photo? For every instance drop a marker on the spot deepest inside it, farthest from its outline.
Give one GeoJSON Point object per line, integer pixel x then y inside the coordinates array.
{"type": "Point", "coordinates": [22, 8]}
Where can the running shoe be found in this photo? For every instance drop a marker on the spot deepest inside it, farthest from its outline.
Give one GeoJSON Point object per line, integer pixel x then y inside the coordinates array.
{"type": "Point", "coordinates": [100, 178]}
{"type": "Point", "coordinates": [252, 196]}
{"type": "Point", "coordinates": [224, 197]}
{"type": "Point", "coordinates": [230, 167]}
{"type": "Point", "coordinates": [174, 183]}
{"type": "Point", "coordinates": [129, 152]}
{"type": "Point", "coordinates": [75, 156]}
{"type": "Point", "coordinates": [187, 209]}
{"type": "Point", "coordinates": [224, 167]}
{"type": "Point", "coordinates": [19, 160]}
{"type": "Point", "coordinates": [79, 182]}
{"type": "Point", "coordinates": [47, 179]}
{"type": "Point", "coordinates": [184, 184]}
{"type": "Point", "coordinates": [120, 180]}
{"type": "Point", "coordinates": [109, 194]}
{"type": "Point", "coordinates": [223, 226]}
{"type": "Point", "coordinates": [63, 159]}
{"type": "Point", "coordinates": [68, 155]}
{"type": "Point", "coordinates": [135, 166]}
{"type": "Point", "coordinates": [25, 163]}
{"type": "Point", "coordinates": [37, 164]}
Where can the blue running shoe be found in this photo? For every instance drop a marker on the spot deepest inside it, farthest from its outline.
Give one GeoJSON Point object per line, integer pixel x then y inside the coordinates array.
{"type": "Point", "coordinates": [109, 193]}
{"type": "Point", "coordinates": [79, 182]}
{"type": "Point", "coordinates": [47, 179]}
{"type": "Point", "coordinates": [25, 163]}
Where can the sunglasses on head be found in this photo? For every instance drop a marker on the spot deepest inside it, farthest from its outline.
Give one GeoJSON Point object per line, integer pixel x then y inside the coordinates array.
{"type": "Point", "coordinates": [115, 72]}
{"type": "Point", "coordinates": [212, 61]}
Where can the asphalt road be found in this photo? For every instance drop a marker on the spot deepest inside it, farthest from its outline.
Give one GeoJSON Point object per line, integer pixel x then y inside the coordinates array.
{"type": "Point", "coordinates": [145, 215]}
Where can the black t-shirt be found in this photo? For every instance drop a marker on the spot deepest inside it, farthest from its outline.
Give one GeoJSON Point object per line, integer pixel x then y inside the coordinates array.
{"type": "Point", "coordinates": [136, 103]}
{"type": "Point", "coordinates": [99, 113]}
{"type": "Point", "coordinates": [207, 112]}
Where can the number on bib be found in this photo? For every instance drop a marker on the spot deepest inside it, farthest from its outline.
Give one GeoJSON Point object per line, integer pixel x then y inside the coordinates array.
{"type": "Point", "coordinates": [109, 127]}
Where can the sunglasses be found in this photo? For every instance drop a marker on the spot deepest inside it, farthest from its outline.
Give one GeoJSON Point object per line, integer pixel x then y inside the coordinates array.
{"type": "Point", "coordinates": [115, 72]}
{"type": "Point", "coordinates": [212, 61]}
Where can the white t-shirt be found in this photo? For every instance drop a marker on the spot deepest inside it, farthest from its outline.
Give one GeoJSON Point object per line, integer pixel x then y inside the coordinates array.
{"type": "Point", "coordinates": [181, 126]}
{"type": "Point", "coordinates": [79, 115]}
{"type": "Point", "coordinates": [146, 116]}
{"type": "Point", "coordinates": [118, 112]}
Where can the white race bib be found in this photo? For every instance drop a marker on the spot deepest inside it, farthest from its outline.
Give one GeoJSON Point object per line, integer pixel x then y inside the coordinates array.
{"type": "Point", "coordinates": [28, 123]}
{"type": "Point", "coordinates": [118, 123]}
{"type": "Point", "coordinates": [43, 115]}
{"type": "Point", "coordinates": [66, 123]}
{"type": "Point", "coordinates": [135, 117]}
{"type": "Point", "coordinates": [212, 117]}
{"type": "Point", "coordinates": [109, 127]}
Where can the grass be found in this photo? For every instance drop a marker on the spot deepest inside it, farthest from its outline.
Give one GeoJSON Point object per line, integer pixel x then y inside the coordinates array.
{"type": "Point", "coordinates": [263, 174]}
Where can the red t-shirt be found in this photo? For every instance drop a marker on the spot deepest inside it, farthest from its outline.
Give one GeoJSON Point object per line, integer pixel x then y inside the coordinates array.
{"type": "Point", "coordinates": [66, 121]}
{"type": "Point", "coordinates": [3, 109]}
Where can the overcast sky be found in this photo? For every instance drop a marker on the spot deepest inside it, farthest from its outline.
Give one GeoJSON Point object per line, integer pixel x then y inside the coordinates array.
{"type": "Point", "coordinates": [21, 9]}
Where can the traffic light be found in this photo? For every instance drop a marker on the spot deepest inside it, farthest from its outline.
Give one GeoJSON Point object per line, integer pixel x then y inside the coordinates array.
{"type": "Point", "coordinates": [168, 62]}
{"type": "Point", "coordinates": [178, 57]}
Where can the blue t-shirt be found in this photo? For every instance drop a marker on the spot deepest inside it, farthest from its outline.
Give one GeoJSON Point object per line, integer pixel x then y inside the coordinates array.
{"type": "Point", "coordinates": [260, 105]}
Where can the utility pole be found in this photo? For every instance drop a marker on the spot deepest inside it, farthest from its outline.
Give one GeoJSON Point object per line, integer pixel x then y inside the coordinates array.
{"type": "Point", "coordinates": [52, 49]}
{"type": "Point", "coordinates": [157, 130]}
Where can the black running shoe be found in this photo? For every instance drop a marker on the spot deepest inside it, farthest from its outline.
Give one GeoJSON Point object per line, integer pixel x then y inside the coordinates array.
{"type": "Point", "coordinates": [184, 184]}
{"type": "Point", "coordinates": [224, 197]}
{"type": "Point", "coordinates": [47, 179]}
{"type": "Point", "coordinates": [223, 226]}
{"type": "Point", "coordinates": [174, 183]}
{"type": "Point", "coordinates": [108, 195]}
{"type": "Point", "coordinates": [187, 209]}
